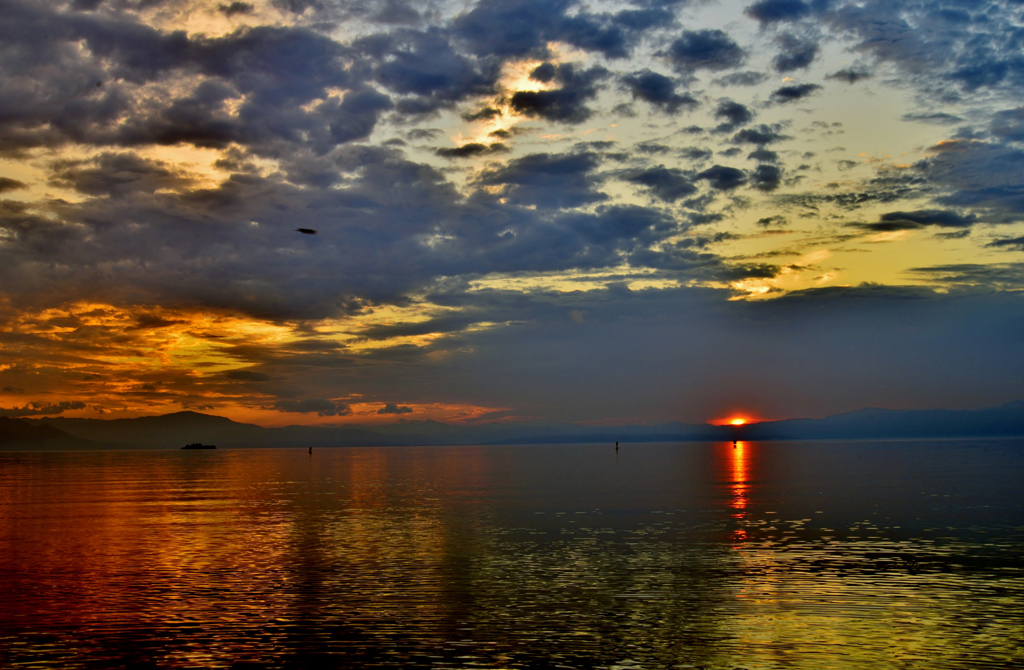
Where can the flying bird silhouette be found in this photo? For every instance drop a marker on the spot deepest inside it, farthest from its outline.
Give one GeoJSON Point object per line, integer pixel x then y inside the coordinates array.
{"type": "Point", "coordinates": [306, 231]}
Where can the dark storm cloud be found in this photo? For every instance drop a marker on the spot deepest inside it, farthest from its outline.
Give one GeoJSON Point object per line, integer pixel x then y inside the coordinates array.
{"type": "Point", "coordinates": [664, 183]}
{"type": "Point", "coordinates": [392, 408]}
{"type": "Point", "coordinates": [705, 50]}
{"type": "Point", "coordinates": [795, 52]}
{"type": "Point", "coordinates": [658, 90]}
{"type": "Point", "coordinates": [772, 11]}
{"type": "Point", "coordinates": [723, 178]}
{"type": "Point", "coordinates": [548, 180]}
{"type": "Point", "coordinates": [566, 104]}
{"type": "Point", "coordinates": [793, 93]}
{"type": "Point", "coordinates": [732, 115]}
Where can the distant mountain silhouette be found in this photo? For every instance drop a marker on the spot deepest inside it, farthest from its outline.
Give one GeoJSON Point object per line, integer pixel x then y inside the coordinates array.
{"type": "Point", "coordinates": [171, 431]}
{"type": "Point", "coordinates": [874, 423]}
{"type": "Point", "coordinates": [17, 435]}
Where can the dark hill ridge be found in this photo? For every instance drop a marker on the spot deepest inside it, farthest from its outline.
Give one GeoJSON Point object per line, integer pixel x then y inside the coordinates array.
{"type": "Point", "coordinates": [876, 423]}
{"type": "Point", "coordinates": [172, 431]}
{"type": "Point", "coordinates": [17, 435]}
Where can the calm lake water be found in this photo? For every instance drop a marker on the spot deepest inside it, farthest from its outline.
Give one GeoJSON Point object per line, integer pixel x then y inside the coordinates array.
{"type": "Point", "coordinates": [766, 555]}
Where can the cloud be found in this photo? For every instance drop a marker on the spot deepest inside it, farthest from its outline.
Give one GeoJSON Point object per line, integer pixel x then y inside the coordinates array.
{"type": "Point", "coordinates": [565, 104]}
{"type": "Point", "coordinates": [998, 276]}
{"type": "Point", "coordinates": [761, 134]}
{"type": "Point", "coordinates": [793, 93]}
{"type": "Point", "coordinates": [1008, 124]}
{"type": "Point", "coordinates": [766, 177]}
{"type": "Point", "coordinates": [928, 217]}
{"type": "Point", "coordinates": [763, 155]}
{"type": "Point", "coordinates": [236, 8]}
{"type": "Point", "coordinates": [772, 11]}
{"type": "Point", "coordinates": [548, 180]}
{"type": "Point", "coordinates": [947, 49]}
{"type": "Point", "coordinates": [658, 90]}
{"type": "Point", "coordinates": [940, 118]}
{"type": "Point", "coordinates": [516, 28]}
{"type": "Point", "coordinates": [483, 114]}
{"type": "Point", "coordinates": [39, 408]}
{"type": "Point", "coordinates": [116, 174]}
{"type": "Point", "coordinates": [732, 114]}
{"type": "Point", "coordinates": [544, 73]}
{"type": "Point", "coordinates": [795, 53]}
{"type": "Point", "coordinates": [850, 75]}
{"type": "Point", "coordinates": [705, 50]}
{"type": "Point", "coordinates": [1010, 243]}
{"type": "Point", "coordinates": [749, 78]}
{"type": "Point", "coordinates": [321, 406]}
{"type": "Point", "coordinates": [768, 221]}
{"type": "Point", "coordinates": [723, 178]}
{"type": "Point", "coordinates": [664, 183]}
{"type": "Point", "coordinates": [985, 176]}
{"type": "Point", "coordinates": [471, 150]}
{"type": "Point", "coordinates": [696, 153]}
{"type": "Point", "coordinates": [247, 376]}
{"type": "Point", "coordinates": [8, 184]}
{"type": "Point", "coordinates": [424, 64]}
{"type": "Point", "coordinates": [392, 408]}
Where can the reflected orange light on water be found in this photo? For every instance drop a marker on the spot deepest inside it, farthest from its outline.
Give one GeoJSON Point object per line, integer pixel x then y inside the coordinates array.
{"type": "Point", "coordinates": [739, 471]}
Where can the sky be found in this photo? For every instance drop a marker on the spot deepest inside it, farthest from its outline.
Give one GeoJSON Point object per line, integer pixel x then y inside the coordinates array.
{"type": "Point", "coordinates": [525, 210]}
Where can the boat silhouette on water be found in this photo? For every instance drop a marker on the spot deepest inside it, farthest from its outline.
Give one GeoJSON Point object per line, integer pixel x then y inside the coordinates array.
{"type": "Point", "coordinates": [197, 445]}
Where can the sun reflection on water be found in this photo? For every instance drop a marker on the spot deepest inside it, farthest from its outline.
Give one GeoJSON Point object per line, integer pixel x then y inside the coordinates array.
{"type": "Point", "coordinates": [693, 555]}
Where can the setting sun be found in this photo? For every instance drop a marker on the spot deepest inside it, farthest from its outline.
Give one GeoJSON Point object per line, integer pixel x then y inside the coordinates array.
{"type": "Point", "coordinates": [733, 420]}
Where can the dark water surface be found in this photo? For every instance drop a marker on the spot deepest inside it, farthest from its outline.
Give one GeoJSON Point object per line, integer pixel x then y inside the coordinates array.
{"type": "Point", "coordinates": [767, 555]}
